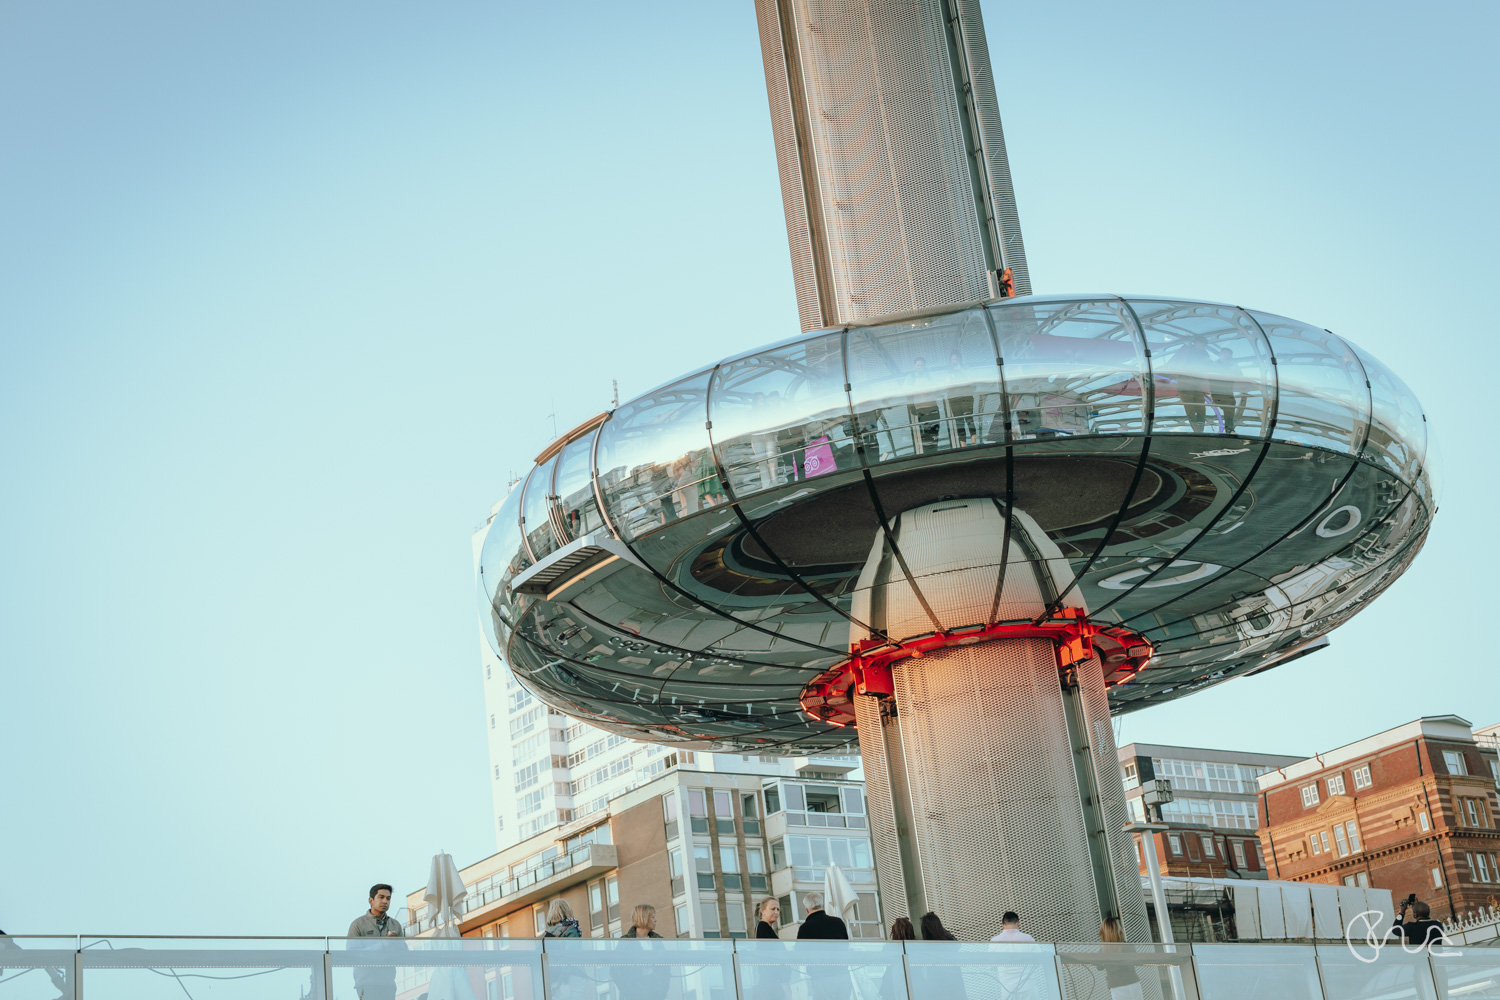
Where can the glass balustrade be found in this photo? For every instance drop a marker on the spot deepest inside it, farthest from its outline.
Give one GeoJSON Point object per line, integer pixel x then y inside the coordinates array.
{"type": "Point", "coordinates": [127, 968]}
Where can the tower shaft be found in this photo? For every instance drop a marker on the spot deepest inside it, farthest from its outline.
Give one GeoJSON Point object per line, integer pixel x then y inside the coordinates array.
{"type": "Point", "coordinates": [893, 169]}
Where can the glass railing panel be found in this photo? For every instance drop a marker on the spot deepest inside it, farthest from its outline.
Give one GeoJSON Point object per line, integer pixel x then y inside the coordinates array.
{"type": "Point", "coordinates": [1322, 399]}
{"type": "Point", "coordinates": [1132, 971]}
{"type": "Point", "coordinates": [821, 970]}
{"type": "Point", "coordinates": [647, 969]}
{"type": "Point", "coordinates": [1463, 973]}
{"type": "Point", "coordinates": [127, 968]}
{"type": "Point", "coordinates": [536, 506]}
{"type": "Point", "coordinates": [575, 487]}
{"type": "Point", "coordinates": [37, 968]}
{"type": "Point", "coordinates": [949, 970]}
{"type": "Point", "coordinates": [1357, 971]}
{"type": "Point", "coordinates": [1211, 369]}
{"type": "Point", "coordinates": [478, 968]}
{"type": "Point", "coordinates": [502, 557]}
{"type": "Point", "coordinates": [1256, 972]}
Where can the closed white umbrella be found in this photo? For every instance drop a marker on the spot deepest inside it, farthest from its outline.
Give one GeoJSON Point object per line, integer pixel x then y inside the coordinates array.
{"type": "Point", "coordinates": [445, 888]}
{"type": "Point", "coordinates": [839, 897]}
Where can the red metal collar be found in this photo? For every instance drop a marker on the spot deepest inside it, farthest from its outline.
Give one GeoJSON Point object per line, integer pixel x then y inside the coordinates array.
{"type": "Point", "coordinates": [829, 697]}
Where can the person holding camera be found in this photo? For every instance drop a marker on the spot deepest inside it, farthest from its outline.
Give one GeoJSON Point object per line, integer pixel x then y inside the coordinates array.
{"type": "Point", "coordinates": [1422, 931]}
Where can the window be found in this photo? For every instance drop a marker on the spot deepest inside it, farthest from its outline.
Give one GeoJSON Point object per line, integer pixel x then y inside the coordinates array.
{"type": "Point", "coordinates": [1473, 871]}
{"type": "Point", "coordinates": [1475, 810]}
{"type": "Point", "coordinates": [724, 813]}
{"type": "Point", "coordinates": [778, 855]}
{"type": "Point", "coordinates": [1437, 878]}
{"type": "Point", "coordinates": [674, 861]}
{"type": "Point", "coordinates": [1495, 771]}
{"type": "Point", "coordinates": [703, 860]}
{"type": "Point", "coordinates": [1208, 846]}
{"type": "Point", "coordinates": [1422, 821]}
{"type": "Point", "coordinates": [788, 915]}
{"type": "Point", "coordinates": [708, 912]}
{"type": "Point", "coordinates": [1362, 777]}
{"type": "Point", "coordinates": [486, 671]}
{"type": "Point", "coordinates": [1174, 842]}
{"type": "Point", "coordinates": [1455, 762]}
{"type": "Point", "coordinates": [750, 814]}
{"type": "Point", "coordinates": [1353, 832]}
{"type": "Point", "coordinates": [492, 720]}
{"type": "Point", "coordinates": [612, 896]}
{"type": "Point", "coordinates": [736, 920]}
{"type": "Point", "coordinates": [773, 800]}
{"type": "Point", "coordinates": [669, 814]}
{"type": "Point", "coordinates": [729, 864]}
{"type": "Point", "coordinates": [1239, 855]}
{"type": "Point", "coordinates": [1313, 840]}
{"type": "Point", "coordinates": [755, 859]}
{"type": "Point", "coordinates": [1309, 796]}
{"type": "Point", "coordinates": [1349, 880]}
{"type": "Point", "coordinates": [497, 770]}
{"type": "Point", "coordinates": [1324, 837]}
{"type": "Point", "coordinates": [539, 919]}
{"type": "Point", "coordinates": [1338, 838]}
{"type": "Point", "coordinates": [680, 918]}
{"type": "Point", "coordinates": [1484, 867]}
{"type": "Point", "coordinates": [596, 907]}
{"type": "Point", "coordinates": [1131, 775]}
{"type": "Point", "coordinates": [1336, 784]}
{"type": "Point", "coordinates": [697, 810]}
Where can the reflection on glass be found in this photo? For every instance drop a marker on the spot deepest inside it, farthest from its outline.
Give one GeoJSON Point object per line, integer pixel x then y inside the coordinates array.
{"type": "Point", "coordinates": [1210, 365]}
{"type": "Point", "coordinates": [575, 488]}
{"type": "Point", "coordinates": [654, 460]}
{"type": "Point", "coordinates": [639, 969]}
{"type": "Point", "coordinates": [1071, 368]}
{"type": "Point", "coordinates": [536, 509]}
{"type": "Point", "coordinates": [501, 558]}
{"type": "Point", "coordinates": [1321, 394]}
{"type": "Point", "coordinates": [1398, 433]}
{"type": "Point", "coordinates": [782, 416]}
{"type": "Point", "coordinates": [925, 387]}
{"type": "Point", "coordinates": [1256, 972]}
{"type": "Point", "coordinates": [942, 970]}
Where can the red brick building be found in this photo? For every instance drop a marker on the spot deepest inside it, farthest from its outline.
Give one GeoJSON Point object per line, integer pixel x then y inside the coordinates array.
{"type": "Point", "coordinates": [1412, 809]}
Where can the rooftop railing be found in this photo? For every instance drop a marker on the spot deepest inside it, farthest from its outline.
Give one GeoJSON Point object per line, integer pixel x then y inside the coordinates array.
{"type": "Point", "coordinates": [126, 968]}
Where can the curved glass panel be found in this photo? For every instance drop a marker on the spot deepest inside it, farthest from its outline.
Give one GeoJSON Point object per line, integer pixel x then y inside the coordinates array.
{"type": "Point", "coordinates": [500, 559]}
{"type": "Point", "coordinates": [535, 505]}
{"type": "Point", "coordinates": [781, 416]}
{"type": "Point", "coordinates": [1398, 431]}
{"type": "Point", "coordinates": [1071, 368]}
{"type": "Point", "coordinates": [1211, 369]}
{"type": "Point", "coordinates": [575, 488]}
{"type": "Point", "coordinates": [924, 387]}
{"type": "Point", "coordinates": [1321, 399]}
{"type": "Point", "coordinates": [654, 460]}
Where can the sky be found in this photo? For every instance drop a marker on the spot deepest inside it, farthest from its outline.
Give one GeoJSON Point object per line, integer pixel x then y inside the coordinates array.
{"type": "Point", "coordinates": [289, 292]}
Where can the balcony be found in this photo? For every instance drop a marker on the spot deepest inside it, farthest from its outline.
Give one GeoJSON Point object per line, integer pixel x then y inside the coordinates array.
{"type": "Point", "coordinates": [501, 897]}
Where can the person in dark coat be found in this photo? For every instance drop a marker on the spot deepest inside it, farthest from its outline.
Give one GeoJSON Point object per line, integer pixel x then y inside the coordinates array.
{"type": "Point", "coordinates": [819, 925]}
{"type": "Point", "coordinates": [769, 914]}
{"type": "Point", "coordinates": [772, 981]}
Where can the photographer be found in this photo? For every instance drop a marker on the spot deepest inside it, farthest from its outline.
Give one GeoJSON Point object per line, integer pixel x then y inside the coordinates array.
{"type": "Point", "coordinates": [1422, 931]}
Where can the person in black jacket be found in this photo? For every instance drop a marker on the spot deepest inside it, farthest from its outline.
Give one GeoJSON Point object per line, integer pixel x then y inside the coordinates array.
{"type": "Point", "coordinates": [819, 925]}
{"type": "Point", "coordinates": [769, 915]}
{"type": "Point", "coordinates": [1422, 931]}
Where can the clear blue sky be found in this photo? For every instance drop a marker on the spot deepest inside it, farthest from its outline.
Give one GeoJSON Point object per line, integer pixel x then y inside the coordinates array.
{"type": "Point", "coordinates": [288, 290]}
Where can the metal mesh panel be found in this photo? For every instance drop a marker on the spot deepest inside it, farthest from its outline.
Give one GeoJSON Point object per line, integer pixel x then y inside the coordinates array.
{"type": "Point", "coordinates": [880, 810]}
{"type": "Point", "coordinates": [895, 205]}
{"type": "Point", "coordinates": [1107, 779]}
{"type": "Point", "coordinates": [788, 162]}
{"type": "Point", "coordinates": [992, 138]}
{"type": "Point", "coordinates": [996, 809]}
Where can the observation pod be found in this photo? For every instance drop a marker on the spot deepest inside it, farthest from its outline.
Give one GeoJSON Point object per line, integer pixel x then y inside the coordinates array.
{"type": "Point", "coordinates": [961, 526]}
{"type": "Point", "coordinates": [730, 561]}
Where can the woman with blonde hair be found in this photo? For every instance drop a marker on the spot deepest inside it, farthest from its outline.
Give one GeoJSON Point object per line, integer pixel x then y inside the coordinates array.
{"type": "Point", "coordinates": [560, 920]}
{"type": "Point", "coordinates": [642, 923]}
{"type": "Point", "coordinates": [1119, 976]}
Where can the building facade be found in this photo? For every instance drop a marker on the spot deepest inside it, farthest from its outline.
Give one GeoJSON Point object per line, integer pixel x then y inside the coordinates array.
{"type": "Point", "coordinates": [702, 847]}
{"type": "Point", "coordinates": [1411, 809]}
{"type": "Point", "coordinates": [1214, 816]}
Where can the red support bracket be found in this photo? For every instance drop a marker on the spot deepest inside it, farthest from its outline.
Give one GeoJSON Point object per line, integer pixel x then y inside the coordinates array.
{"type": "Point", "coordinates": [829, 697]}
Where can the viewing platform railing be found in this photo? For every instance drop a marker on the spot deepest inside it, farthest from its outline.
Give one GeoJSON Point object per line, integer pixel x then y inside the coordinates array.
{"type": "Point", "coordinates": [198, 968]}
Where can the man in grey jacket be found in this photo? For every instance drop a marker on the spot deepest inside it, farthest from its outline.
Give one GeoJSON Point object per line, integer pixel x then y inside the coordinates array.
{"type": "Point", "coordinates": [376, 982]}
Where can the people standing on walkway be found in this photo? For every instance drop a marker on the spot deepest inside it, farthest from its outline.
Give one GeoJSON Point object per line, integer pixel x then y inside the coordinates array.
{"type": "Point", "coordinates": [375, 982]}
{"type": "Point", "coordinates": [1422, 930]}
{"type": "Point", "coordinates": [768, 914]}
{"type": "Point", "coordinates": [1010, 928]}
{"type": "Point", "coordinates": [933, 929]}
{"type": "Point", "coordinates": [893, 983]}
{"type": "Point", "coordinates": [820, 925]}
{"type": "Point", "coordinates": [1119, 975]}
{"type": "Point", "coordinates": [649, 980]}
{"type": "Point", "coordinates": [560, 921]}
